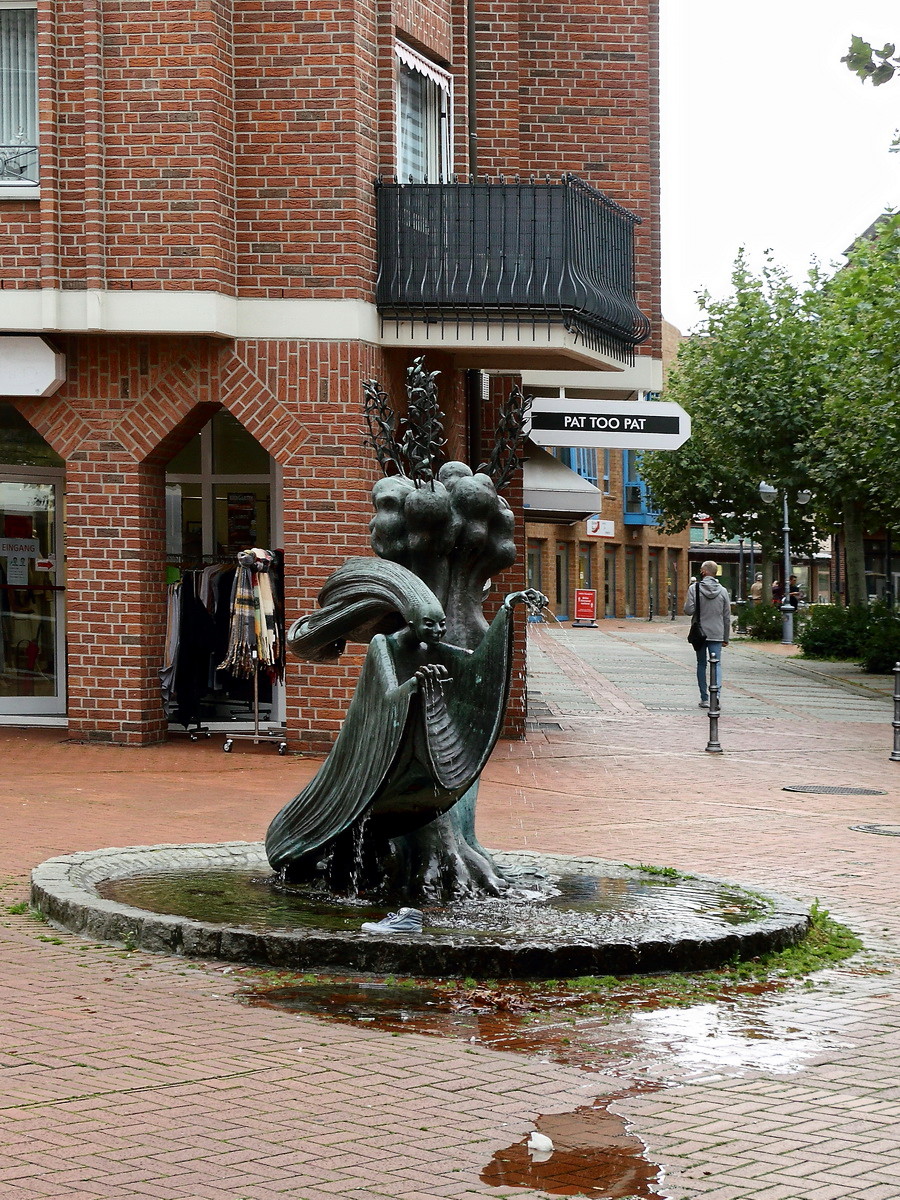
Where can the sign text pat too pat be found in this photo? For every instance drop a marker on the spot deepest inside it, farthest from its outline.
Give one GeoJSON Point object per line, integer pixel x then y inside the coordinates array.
{"type": "Point", "coordinates": [630, 424]}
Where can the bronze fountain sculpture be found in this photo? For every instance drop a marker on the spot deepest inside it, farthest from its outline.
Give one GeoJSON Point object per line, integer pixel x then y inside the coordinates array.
{"type": "Point", "coordinates": [391, 811]}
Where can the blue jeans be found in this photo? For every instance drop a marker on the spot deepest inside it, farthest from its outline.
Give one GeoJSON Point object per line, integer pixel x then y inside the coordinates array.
{"type": "Point", "coordinates": [703, 668]}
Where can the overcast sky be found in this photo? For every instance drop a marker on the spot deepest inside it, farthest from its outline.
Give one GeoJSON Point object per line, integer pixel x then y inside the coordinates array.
{"type": "Point", "coordinates": [768, 141]}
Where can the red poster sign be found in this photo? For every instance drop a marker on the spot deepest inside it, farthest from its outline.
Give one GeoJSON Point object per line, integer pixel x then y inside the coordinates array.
{"type": "Point", "coordinates": [585, 605]}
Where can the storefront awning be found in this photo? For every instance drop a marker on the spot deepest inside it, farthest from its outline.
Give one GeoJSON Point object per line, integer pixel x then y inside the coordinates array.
{"type": "Point", "coordinates": [554, 492]}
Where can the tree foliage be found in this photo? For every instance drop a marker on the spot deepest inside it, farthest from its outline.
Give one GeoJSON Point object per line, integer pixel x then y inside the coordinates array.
{"type": "Point", "coordinates": [878, 66]}
{"type": "Point", "coordinates": [854, 451]}
{"type": "Point", "coordinates": [802, 389]}
{"type": "Point", "coordinates": [747, 382]}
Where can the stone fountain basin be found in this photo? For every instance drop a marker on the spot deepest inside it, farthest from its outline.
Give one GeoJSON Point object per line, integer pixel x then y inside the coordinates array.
{"type": "Point", "coordinates": [668, 933]}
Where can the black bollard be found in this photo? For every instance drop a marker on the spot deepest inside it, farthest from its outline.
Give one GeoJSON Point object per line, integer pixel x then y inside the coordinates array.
{"type": "Point", "coordinates": [712, 746]}
{"type": "Point", "coordinates": [895, 755]}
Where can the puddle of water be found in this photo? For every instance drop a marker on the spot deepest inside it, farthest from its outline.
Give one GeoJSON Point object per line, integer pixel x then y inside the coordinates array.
{"type": "Point", "coordinates": [562, 1026]}
{"type": "Point", "coordinates": [593, 1155]}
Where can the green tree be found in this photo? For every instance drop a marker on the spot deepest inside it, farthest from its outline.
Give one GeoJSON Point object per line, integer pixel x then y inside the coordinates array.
{"type": "Point", "coordinates": [854, 451]}
{"type": "Point", "coordinates": [876, 66]}
{"type": "Point", "coordinates": [747, 381]}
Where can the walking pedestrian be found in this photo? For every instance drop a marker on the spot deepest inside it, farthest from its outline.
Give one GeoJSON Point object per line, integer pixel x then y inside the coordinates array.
{"type": "Point", "coordinates": [710, 601]}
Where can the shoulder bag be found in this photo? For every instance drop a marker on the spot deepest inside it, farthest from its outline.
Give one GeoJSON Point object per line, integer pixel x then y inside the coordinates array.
{"type": "Point", "coordinates": [695, 633]}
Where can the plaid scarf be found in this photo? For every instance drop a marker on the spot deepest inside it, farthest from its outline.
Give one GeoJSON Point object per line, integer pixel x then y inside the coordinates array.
{"type": "Point", "coordinates": [242, 636]}
{"type": "Point", "coordinates": [254, 629]}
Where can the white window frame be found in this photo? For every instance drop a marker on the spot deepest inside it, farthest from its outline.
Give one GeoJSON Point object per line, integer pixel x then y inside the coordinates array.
{"type": "Point", "coordinates": [439, 113]}
{"type": "Point", "coordinates": [30, 190]}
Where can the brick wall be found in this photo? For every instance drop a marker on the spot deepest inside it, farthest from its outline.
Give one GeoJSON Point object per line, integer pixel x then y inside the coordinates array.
{"type": "Point", "coordinates": [212, 147]}
{"type": "Point", "coordinates": [575, 88]}
{"type": "Point", "coordinates": [192, 144]}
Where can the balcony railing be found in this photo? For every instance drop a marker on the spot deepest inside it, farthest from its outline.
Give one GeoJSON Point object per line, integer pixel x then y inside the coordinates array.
{"type": "Point", "coordinates": [538, 253]}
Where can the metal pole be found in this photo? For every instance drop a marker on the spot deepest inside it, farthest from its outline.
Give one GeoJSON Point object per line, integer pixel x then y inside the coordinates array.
{"type": "Point", "coordinates": [895, 756]}
{"type": "Point", "coordinates": [888, 573]}
{"type": "Point", "coordinates": [787, 609]}
{"type": "Point", "coordinates": [712, 746]}
{"type": "Point", "coordinates": [752, 563]}
{"type": "Point", "coordinates": [741, 580]}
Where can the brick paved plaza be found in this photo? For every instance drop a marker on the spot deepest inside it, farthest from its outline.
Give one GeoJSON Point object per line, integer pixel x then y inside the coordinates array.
{"type": "Point", "coordinates": [132, 1075]}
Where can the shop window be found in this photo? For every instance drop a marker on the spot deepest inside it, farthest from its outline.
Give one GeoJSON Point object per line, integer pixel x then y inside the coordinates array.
{"type": "Point", "coordinates": [630, 582]}
{"type": "Point", "coordinates": [218, 495]}
{"type": "Point", "coordinates": [609, 583]}
{"type": "Point", "coordinates": [20, 445]}
{"type": "Point", "coordinates": [562, 581]}
{"type": "Point", "coordinates": [424, 109]}
{"type": "Point", "coordinates": [653, 582]}
{"type": "Point", "coordinates": [535, 566]}
{"type": "Point", "coordinates": [585, 572]}
{"type": "Point", "coordinates": [18, 96]}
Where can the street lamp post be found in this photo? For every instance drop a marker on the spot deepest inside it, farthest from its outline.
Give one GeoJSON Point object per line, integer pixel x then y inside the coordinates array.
{"type": "Point", "coordinates": [769, 495]}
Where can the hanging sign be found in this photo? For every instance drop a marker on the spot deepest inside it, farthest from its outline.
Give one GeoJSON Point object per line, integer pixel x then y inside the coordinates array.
{"type": "Point", "coordinates": [626, 424]}
{"type": "Point", "coordinates": [18, 552]}
{"type": "Point", "coordinates": [594, 527]}
{"type": "Point", "coordinates": [30, 366]}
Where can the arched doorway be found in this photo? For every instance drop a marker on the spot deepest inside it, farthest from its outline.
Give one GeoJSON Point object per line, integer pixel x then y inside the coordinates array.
{"type": "Point", "coordinates": [222, 496]}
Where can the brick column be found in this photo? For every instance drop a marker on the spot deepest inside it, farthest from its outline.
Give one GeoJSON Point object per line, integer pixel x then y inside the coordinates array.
{"type": "Point", "coordinates": [115, 602]}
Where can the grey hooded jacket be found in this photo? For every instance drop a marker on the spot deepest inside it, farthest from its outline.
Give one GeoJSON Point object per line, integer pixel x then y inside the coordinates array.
{"type": "Point", "coordinates": [715, 609]}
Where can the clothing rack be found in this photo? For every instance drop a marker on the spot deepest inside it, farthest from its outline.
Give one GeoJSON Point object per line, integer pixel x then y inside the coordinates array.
{"type": "Point", "coordinates": [256, 637]}
{"type": "Point", "coordinates": [273, 734]}
{"type": "Point", "coordinates": [199, 684]}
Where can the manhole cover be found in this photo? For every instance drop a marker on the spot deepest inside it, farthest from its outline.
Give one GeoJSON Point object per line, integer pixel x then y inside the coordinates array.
{"type": "Point", "coordinates": [884, 830]}
{"type": "Point", "coordinates": [822, 789]}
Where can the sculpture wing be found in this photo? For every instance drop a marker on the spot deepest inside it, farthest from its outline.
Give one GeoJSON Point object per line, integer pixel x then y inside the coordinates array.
{"type": "Point", "coordinates": [463, 720]}
{"type": "Point", "coordinates": [359, 761]}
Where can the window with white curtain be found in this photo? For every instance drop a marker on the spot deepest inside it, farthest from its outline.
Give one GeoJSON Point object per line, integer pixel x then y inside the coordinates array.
{"type": "Point", "coordinates": [18, 95]}
{"type": "Point", "coordinates": [423, 117]}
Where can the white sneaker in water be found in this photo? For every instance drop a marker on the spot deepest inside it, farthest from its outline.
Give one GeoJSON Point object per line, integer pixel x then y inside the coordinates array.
{"type": "Point", "coordinates": [407, 920]}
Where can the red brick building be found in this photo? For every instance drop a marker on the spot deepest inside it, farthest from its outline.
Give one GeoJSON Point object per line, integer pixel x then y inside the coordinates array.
{"type": "Point", "coordinates": [190, 221]}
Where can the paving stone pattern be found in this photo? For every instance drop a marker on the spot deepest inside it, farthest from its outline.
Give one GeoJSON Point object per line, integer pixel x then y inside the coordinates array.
{"type": "Point", "coordinates": [133, 1075]}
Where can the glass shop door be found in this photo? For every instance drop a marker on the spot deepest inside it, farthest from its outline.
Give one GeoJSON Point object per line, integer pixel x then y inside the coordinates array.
{"type": "Point", "coordinates": [32, 595]}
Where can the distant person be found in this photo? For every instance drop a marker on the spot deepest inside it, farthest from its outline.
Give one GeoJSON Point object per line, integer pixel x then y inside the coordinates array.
{"type": "Point", "coordinates": [713, 606]}
{"type": "Point", "coordinates": [794, 591]}
{"type": "Point", "coordinates": [777, 593]}
{"type": "Point", "coordinates": [756, 590]}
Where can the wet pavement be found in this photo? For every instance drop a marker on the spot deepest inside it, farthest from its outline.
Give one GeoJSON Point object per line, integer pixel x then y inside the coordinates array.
{"type": "Point", "coordinates": [127, 1074]}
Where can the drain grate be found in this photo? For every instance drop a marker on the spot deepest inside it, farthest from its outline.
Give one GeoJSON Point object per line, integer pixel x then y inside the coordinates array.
{"type": "Point", "coordinates": [822, 789]}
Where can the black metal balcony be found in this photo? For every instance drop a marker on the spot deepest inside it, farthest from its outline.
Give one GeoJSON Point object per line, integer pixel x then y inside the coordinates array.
{"type": "Point", "coordinates": [533, 253]}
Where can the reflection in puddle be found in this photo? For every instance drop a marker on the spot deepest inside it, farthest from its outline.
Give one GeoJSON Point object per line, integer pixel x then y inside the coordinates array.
{"type": "Point", "coordinates": [711, 1036]}
{"type": "Point", "coordinates": [563, 1027]}
{"type": "Point", "coordinates": [593, 1155]}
